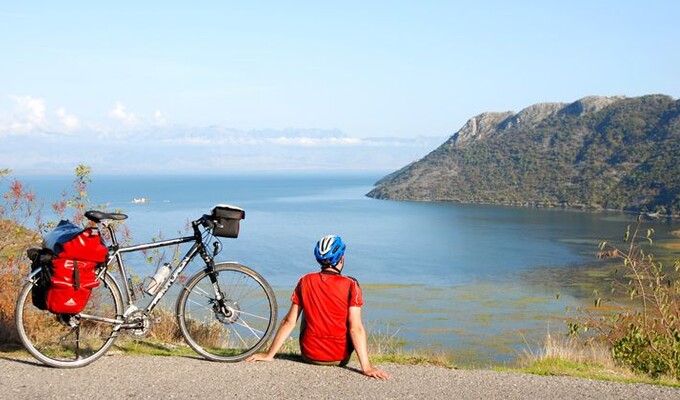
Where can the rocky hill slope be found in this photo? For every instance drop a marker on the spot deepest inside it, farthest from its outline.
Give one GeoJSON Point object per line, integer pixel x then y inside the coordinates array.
{"type": "Point", "coordinates": [598, 152]}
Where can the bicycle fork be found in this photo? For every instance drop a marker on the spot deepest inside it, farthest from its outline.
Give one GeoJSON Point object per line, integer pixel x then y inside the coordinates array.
{"type": "Point", "coordinates": [222, 312]}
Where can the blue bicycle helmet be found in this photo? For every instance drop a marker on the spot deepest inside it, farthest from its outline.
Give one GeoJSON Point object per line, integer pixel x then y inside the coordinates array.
{"type": "Point", "coordinates": [329, 250]}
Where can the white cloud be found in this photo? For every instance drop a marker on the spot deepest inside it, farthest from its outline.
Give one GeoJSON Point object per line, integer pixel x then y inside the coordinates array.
{"type": "Point", "coordinates": [69, 121]}
{"type": "Point", "coordinates": [160, 117]}
{"type": "Point", "coordinates": [32, 108]}
{"type": "Point", "coordinates": [120, 113]}
{"type": "Point", "coordinates": [28, 115]}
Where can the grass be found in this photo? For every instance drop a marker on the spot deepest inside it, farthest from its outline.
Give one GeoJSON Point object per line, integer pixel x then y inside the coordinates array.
{"type": "Point", "coordinates": [435, 357]}
{"type": "Point", "coordinates": [151, 347]}
{"type": "Point", "coordinates": [568, 357]}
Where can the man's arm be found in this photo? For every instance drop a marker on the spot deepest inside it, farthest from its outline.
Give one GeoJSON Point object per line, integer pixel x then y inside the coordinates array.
{"type": "Point", "coordinates": [358, 335]}
{"type": "Point", "coordinates": [286, 327]}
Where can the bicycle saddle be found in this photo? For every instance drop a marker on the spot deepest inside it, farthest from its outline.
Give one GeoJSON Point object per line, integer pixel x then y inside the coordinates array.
{"type": "Point", "coordinates": [98, 216]}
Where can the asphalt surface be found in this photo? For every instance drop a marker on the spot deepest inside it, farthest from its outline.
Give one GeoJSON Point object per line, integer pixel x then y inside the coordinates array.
{"type": "Point", "coordinates": [129, 377]}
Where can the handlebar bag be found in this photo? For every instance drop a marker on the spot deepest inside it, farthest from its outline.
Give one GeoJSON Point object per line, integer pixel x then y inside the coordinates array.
{"type": "Point", "coordinates": [227, 220]}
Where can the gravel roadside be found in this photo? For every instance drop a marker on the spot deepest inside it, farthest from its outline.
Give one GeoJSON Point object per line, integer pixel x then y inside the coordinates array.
{"type": "Point", "coordinates": [125, 377]}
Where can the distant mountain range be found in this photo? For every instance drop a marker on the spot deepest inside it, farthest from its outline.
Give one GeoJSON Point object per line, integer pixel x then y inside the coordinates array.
{"type": "Point", "coordinates": [208, 149]}
{"type": "Point", "coordinates": [595, 153]}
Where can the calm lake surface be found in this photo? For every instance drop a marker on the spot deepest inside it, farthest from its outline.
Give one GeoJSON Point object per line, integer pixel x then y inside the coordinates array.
{"type": "Point", "coordinates": [478, 280]}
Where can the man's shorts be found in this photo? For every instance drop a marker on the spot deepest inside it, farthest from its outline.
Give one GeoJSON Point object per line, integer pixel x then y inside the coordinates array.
{"type": "Point", "coordinates": [340, 363]}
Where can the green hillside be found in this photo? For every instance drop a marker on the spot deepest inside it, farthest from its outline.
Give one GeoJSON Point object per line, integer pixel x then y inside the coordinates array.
{"type": "Point", "coordinates": [598, 152]}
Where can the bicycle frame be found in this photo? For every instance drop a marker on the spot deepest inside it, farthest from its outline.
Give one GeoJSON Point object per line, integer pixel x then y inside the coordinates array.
{"type": "Point", "coordinates": [116, 254]}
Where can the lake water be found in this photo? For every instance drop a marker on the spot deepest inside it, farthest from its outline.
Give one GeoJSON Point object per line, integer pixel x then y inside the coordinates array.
{"type": "Point", "coordinates": [478, 280]}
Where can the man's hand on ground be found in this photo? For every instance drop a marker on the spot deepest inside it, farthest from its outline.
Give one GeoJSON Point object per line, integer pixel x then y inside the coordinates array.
{"type": "Point", "coordinates": [259, 357]}
{"type": "Point", "coordinates": [377, 374]}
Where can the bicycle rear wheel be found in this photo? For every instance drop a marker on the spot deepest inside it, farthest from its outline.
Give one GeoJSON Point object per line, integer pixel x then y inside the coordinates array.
{"type": "Point", "coordinates": [70, 341]}
{"type": "Point", "coordinates": [235, 330]}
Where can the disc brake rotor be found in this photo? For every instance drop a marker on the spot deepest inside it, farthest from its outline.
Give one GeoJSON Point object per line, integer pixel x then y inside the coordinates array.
{"type": "Point", "coordinates": [229, 313]}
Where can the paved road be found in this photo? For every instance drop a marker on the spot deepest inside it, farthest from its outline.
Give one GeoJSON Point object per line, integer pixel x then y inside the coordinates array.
{"type": "Point", "coordinates": [126, 377]}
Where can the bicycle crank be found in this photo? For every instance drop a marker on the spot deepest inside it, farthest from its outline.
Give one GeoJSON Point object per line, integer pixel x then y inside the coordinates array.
{"type": "Point", "coordinates": [137, 324]}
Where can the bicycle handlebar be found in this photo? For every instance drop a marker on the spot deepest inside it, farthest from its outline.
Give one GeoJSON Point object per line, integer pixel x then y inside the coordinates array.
{"type": "Point", "coordinates": [206, 221]}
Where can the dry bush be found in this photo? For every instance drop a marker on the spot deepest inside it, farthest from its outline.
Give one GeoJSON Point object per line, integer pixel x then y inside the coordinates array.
{"type": "Point", "coordinates": [570, 349]}
{"type": "Point", "coordinates": [17, 208]}
{"type": "Point", "coordinates": [10, 280]}
{"type": "Point", "coordinates": [208, 334]}
{"type": "Point", "coordinates": [21, 226]}
{"type": "Point", "coordinates": [165, 327]}
{"type": "Point", "coordinates": [384, 343]}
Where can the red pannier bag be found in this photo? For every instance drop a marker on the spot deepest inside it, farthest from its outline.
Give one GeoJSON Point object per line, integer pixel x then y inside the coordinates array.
{"type": "Point", "coordinates": [73, 272]}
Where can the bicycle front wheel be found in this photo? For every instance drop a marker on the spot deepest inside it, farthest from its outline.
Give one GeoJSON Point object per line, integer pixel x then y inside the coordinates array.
{"type": "Point", "coordinates": [235, 327]}
{"type": "Point", "coordinates": [70, 341]}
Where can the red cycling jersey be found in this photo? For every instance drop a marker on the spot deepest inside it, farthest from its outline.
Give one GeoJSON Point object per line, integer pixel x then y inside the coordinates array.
{"type": "Point", "coordinates": [325, 299]}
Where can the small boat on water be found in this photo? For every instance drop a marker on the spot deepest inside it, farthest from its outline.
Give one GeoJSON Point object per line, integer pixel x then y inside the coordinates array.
{"type": "Point", "coordinates": [140, 200]}
{"type": "Point", "coordinates": [654, 215]}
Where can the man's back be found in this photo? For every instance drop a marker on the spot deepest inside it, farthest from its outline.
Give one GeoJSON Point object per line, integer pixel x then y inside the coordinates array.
{"type": "Point", "coordinates": [325, 298]}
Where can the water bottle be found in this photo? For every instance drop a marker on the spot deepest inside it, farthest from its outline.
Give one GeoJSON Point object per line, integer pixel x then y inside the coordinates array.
{"type": "Point", "coordinates": [158, 279]}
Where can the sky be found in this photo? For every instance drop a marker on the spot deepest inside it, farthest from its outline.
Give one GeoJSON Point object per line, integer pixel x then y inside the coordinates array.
{"type": "Point", "coordinates": [303, 85]}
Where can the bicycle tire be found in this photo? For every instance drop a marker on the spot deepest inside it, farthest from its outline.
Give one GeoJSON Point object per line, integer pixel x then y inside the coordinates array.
{"type": "Point", "coordinates": [54, 342]}
{"type": "Point", "coordinates": [220, 337]}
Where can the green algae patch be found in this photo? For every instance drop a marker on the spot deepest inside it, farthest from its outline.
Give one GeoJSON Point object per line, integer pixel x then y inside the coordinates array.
{"type": "Point", "coordinates": [424, 311]}
{"type": "Point", "coordinates": [530, 300]}
{"type": "Point", "coordinates": [388, 286]}
{"type": "Point", "coordinates": [471, 297]}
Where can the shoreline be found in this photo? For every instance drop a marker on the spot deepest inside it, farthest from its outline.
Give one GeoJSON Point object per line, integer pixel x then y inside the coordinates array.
{"type": "Point", "coordinates": [536, 205]}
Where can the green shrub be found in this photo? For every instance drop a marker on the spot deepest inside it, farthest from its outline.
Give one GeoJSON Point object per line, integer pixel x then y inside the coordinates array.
{"type": "Point", "coordinates": [646, 337]}
{"type": "Point", "coordinates": [648, 352]}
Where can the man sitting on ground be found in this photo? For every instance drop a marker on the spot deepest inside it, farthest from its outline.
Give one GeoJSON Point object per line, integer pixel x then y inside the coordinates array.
{"type": "Point", "coordinates": [331, 326]}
